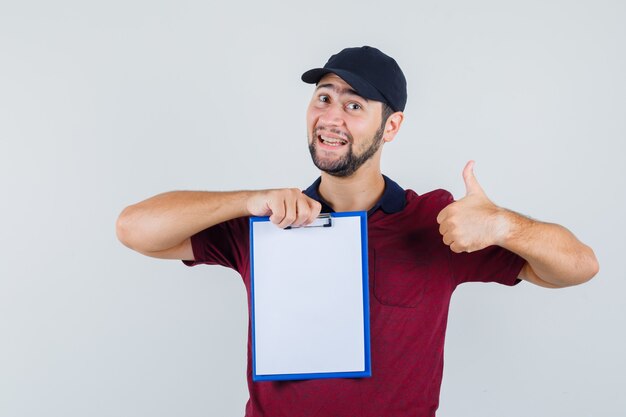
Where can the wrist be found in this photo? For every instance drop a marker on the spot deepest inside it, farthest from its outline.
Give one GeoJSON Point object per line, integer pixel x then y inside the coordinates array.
{"type": "Point", "coordinates": [255, 202]}
{"type": "Point", "coordinates": [501, 226]}
{"type": "Point", "coordinates": [508, 226]}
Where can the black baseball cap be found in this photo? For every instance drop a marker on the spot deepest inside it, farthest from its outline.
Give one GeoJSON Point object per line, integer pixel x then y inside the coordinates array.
{"type": "Point", "coordinates": [370, 72]}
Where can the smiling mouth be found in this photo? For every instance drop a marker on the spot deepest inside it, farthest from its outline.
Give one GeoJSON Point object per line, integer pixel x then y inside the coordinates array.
{"type": "Point", "coordinates": [331, 141]}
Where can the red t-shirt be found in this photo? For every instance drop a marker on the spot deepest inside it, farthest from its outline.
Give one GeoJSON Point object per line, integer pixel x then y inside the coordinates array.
{"type": "Point", "coordinates": [412, 275]}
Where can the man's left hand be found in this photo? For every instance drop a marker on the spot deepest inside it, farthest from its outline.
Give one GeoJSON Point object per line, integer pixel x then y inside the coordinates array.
{"type": "Point", "coordinates": [473, 222]}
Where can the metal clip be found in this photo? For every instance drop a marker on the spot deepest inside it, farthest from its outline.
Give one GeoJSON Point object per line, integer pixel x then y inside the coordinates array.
{"type": "Point", "coordinates": [323, 220]}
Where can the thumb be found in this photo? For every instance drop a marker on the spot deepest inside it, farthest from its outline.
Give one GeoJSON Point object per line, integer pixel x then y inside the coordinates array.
{"type": "Point", "coordinates": [471, 183]}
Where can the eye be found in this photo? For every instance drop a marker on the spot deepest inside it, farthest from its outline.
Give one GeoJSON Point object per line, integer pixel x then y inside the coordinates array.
{"type": "Point", "coordinates": [354, 106]}
{"type": "Point", "coordinates": [323, 98]}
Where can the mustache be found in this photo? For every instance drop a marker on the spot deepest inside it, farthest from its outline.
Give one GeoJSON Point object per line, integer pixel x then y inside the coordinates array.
{"type": "Point", "coordinates": [345, 135]}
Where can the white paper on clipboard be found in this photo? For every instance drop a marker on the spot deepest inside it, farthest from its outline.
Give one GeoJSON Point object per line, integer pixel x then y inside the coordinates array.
{"type": "Point", "coordinates": [310, 312]}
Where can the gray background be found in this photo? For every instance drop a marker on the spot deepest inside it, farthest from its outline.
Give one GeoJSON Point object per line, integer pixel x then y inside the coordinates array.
{"type": "Point", "coordinates": [105, 104]}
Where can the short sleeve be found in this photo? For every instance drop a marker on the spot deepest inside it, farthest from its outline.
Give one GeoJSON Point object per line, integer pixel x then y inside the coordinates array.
{"type": "Point", "coordinates": [491, 264]}
{"type": "Point", "coordinates": [225, 244]}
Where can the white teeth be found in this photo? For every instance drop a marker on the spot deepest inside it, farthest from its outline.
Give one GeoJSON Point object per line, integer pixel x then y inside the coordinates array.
{"type": "Point", "coordinates": [333, 141]}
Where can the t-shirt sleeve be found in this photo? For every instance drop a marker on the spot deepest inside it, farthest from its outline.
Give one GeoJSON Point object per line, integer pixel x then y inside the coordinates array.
{"type": "Point", "coordinates": [491, 264]}
{"type": "Point", "coordinates": [225, 244]}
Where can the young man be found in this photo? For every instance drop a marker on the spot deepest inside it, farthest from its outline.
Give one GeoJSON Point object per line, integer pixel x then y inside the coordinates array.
{"type": "Point", "coordinates": [420, 247]}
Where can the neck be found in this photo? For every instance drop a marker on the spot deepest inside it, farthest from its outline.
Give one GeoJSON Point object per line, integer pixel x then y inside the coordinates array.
{"type": "Point", "coordinates": [358, 192]}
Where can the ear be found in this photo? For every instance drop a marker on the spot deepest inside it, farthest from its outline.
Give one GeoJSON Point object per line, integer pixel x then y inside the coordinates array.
{"type": "Point", "coordinates": [392, 126]}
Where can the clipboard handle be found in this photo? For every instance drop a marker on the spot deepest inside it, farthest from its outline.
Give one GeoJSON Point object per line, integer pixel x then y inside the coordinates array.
{"type": "Point", "coordinates": [323, 220]}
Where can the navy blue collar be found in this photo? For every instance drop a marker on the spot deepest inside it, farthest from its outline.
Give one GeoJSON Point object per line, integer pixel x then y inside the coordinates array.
{"type": "Point", "coordinates": [392, 201]}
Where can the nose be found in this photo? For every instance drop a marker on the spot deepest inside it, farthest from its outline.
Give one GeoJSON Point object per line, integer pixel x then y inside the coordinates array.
{"type": "Point", "coordinates": [332, 115]}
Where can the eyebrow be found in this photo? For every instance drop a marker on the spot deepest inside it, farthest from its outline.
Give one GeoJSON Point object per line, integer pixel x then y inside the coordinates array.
{"type": "Point", "coordinates": [338, 90]}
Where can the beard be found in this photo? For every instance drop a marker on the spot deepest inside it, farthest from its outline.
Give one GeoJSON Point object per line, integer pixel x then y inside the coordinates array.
{"type": "Point", "coordinates": [350, 162]}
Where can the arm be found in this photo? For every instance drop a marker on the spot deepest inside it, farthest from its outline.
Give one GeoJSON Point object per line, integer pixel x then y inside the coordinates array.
{"type": "Point", "coordinates": [162, 225]}
{"type": "Point", "coordinates": [554, 257]}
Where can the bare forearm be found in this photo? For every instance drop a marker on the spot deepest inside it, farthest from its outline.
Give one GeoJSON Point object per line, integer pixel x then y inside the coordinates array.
{"type": "Point", "coordinates": [167, 219]}
{"type": "Point", "coordinates": [552, 251]}
{"type": "Point", "coordinates": [555, 258]}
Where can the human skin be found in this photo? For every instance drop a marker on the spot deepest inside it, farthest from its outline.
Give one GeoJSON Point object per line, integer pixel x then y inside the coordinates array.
{"type": "Point", "coordinates": [161, 226]}
{"type": "Point", "coordinates": [555, 258]}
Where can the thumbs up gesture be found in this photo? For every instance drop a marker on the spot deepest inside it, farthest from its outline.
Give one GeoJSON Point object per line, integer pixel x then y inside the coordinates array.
{"type": "Point", "coordinates": [473, 222]}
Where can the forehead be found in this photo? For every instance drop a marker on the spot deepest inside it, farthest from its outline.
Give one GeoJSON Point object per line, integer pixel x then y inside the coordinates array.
{"type": "Point", "coordinates": [337, 84]}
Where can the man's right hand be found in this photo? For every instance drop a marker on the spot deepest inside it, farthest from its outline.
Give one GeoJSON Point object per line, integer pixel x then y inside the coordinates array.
{"type": "Point", "coordinates": [285, 206]}
{"type": "Point", "coordinates": [161, 226]}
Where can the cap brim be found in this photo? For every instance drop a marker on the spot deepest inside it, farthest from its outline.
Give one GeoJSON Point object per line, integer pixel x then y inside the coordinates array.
{"type": "Point", "coordinates": [361, 86]}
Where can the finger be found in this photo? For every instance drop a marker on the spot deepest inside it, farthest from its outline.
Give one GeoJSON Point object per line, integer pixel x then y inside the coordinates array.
{"type": "Point", "coordinates": [443, 228]}
{"type": "Point", "coordinates": [455, 247]}
{"type": "Point", "coordinates": [442, 215]}
{"type": "Point", "coordinates": [316, 208]}
{"type": "Point", "coordinates": [278, 211]}
{"type": "Point", "coordinates": [447, 239]}
{"type": "Point", "coordinates": [290, 213]}
{"type": "Point", "coordinates": [471, 183]}
{"type": "Point", "coordinates": [302, 212]}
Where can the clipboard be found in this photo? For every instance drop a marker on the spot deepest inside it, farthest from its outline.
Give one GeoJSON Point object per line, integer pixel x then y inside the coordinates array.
{"type": "Point", "coordinates": [310, 299]}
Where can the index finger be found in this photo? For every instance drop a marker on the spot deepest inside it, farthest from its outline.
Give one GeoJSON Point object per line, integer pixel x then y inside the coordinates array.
{"type": "Point", "coordinates": [442, 215]}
